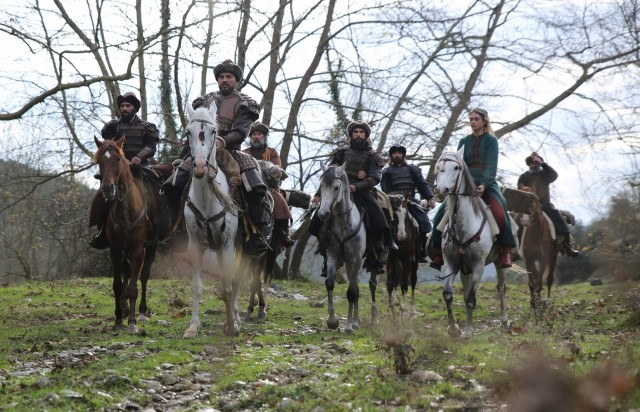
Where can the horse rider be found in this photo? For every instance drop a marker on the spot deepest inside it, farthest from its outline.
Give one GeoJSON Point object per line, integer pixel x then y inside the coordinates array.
{"type": "Point", "coordinates": [235, 114]}
{"type": "Point", "coordinates": [537, 180]}
{"type": "Point", "coordinates": [364, 170]}
{"type": "Point", "coordinates": [260, 150]}
{"type": "Point", "coordinates": [141, 138]}
{"type": "Point", "coordinates": [402, 178]}
{"type": "Point", "coordinates": [481, 157]}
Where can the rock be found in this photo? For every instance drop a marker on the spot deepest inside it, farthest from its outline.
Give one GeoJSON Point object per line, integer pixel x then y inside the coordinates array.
{"type": "Point", "coordinates": [596, 282]}
{"type": "Point", "coordinates": [151, 384]}
{"type": "Point", "coordinates": [69, 394]}
{"type": "Point", "coordinates": [426, 376]}
{"type": "Point", "coordinates": [52, 398]}
{"type": "Point", "coordinates": [42, 382]}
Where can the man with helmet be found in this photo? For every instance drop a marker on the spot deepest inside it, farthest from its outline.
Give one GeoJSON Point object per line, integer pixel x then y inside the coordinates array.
{"type": "Point", "coordinates": [402, 178]}
{"type": "Point", "coordinates": [537, 180]}
{"type": "Point", "coordinates": [141, 138]}
{"type": "Point", "coordinates": [364, 170]}
{"type": "Point", "coordinates": [261, 151]}
{"type": "Point", "coordinates": [236, 112]}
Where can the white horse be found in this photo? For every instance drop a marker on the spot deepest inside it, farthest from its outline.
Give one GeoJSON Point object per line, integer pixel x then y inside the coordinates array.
{"type": "Point", "coordinates": [346, 242]}
{"type": "Point", "coordinates": [467, 240]}
{"type": "Point", "coordinates": [211, 218]}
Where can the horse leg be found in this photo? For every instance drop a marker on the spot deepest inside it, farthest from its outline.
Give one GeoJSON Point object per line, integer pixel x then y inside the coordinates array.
{"type": "Point", "coordinates": [535, 288]}
{"type": "Point", "coordinates": [502, 290]}
{"type": "Point", "coordinates": [136, 261]}
{"type": "Point", "coordinates": [264, 276]}
{"type": "Point", "coordinates": [404, 281]}
{"type": "Point", "coordinates": [353, 293]}
{"type": "Point", "coordinates": [414, 281]}
{"type": "Point", "coordinates": [447, 295]}
{"type": "Point", "coordinates": [117, 288]}
{"type": "Point", "coordinates": [143, 309]}
{"type": "Point", "coordinates": [196, 253]}
{"type": "Point", "coordinates": [332, 321]}
{"type": "Point", "coordinates": [230, 289]}
{"type": "Point", "coordinates": [373, 286]}
{"type": "Point", "coordinates": [248, 266]}
{"type": "Point", "coordinates": [391, 285]}
{"type": "Point", "coordinates": [470, 283]}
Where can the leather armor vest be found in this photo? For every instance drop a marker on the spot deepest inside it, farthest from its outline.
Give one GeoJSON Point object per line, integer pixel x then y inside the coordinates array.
{"type": "Point", "coordinates": [356, 161]}
{"type": "Point", "coordinates": [228, 108]}
{"type": "Point", "coordinates": [134, 137]}
{"type": "Point", "coordinates": [401, 178]}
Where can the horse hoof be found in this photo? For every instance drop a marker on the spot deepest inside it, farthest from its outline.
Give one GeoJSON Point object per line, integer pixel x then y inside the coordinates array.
{"type": "Point", "coordinates": [248, 317]}
{"type": "Point", "coordinates": [133, 329]}
{"type": "Point", "coordinates": [348, 330]}
{"type": "Point", "coordinates": [454, 331]}
{"type": "Point", "coordinates": [118, 327]}
{"type": "Point", "coordinates": [506, 325]}
{"type": "Point", "coordinates": [142, 318]}
{"type": "Point", "coordinates": [355, 326]}
{"type": "Point", "coordinates": [333, 323]}
{"type": "Point", "coordinates": [191, 333]}
{"type": "Point", "coordinates": [234, 330]}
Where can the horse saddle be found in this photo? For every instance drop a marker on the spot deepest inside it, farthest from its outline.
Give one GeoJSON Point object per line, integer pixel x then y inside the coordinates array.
{"type": "Point", "coordinates": [491, 221]}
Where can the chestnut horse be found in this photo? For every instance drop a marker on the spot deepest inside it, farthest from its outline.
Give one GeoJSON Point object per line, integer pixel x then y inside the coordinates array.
{"type": "Point", "coordinates": [540, 253]}
{"type": "Point", "coordinates": [402, 265]}
{"type": "Point", "coordinates": [131, 236]}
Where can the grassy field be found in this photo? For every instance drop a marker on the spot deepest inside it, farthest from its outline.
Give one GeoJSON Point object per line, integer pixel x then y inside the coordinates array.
{"type": "Point", "coordinates": [59, 352]}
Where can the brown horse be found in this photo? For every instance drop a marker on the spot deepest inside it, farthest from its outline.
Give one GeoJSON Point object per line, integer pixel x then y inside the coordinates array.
{"type": "Point", "coordinates": [132, 239]}
{"type": "Point", "coordinates": [540, 253]}
{"type": "Point", "coordinates": [261, 266]}
{"type": "Point", "coordinates": [402, 265]}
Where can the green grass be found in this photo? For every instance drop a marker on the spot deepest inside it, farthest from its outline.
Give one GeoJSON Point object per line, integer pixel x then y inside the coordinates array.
{"type": "Point", "coordinates": [62, 331]}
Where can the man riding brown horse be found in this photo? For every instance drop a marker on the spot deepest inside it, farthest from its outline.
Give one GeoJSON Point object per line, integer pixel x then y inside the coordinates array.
{"type": "Point", "coordinates": [141, 138]}
{"type": "Point", "coordinates": [537, 180]}
{"type": "Point", "coordinates": [261, 151]}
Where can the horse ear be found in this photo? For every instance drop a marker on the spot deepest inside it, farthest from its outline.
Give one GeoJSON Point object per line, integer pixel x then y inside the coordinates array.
{"type": "Point", "coordinates": [190, 110]}
{"type": "Point", "coordinates": [120, 142]}
{"type": "Point", "coordinates": [99, 143]}
{"type": "Point", "coordinates": [323, 167]}
{"type": "Point", "coordinates": [460, 153]}
{"type": "Point", "coordinates": [341, 169]}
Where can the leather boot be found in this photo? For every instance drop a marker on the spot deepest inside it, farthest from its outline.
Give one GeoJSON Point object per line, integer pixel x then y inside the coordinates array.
{"type": "Point", "coordinates": [99, 240]}
{"type": "Point", "coordinates": [505, 259]}
{"type": "Point", "coordinates": [422, 253]}
{"type": "Point", "coordinates": [437, 260]}
{"type": "Point", "coordinates": [283, 229]}
{"type": "Point", "coordinates": [566, 247]}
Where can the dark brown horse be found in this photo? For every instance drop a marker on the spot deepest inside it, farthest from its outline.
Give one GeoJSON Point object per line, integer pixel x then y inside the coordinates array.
{"type": "Point", "coordinates": [402, 265]}
{"type": "Point", "coordinates": [540, 253]}
{"type": "Point", "coordinates": [132, 239]}
{"type": "Point", "coordinates": [260, 267]}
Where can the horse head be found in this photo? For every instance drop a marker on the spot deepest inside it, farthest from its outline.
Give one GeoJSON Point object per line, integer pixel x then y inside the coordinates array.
{"type": "Point", "coordinates": [399, 205]}
{"type": "Point", "coordinates": [334, 189]}
{"type": "Point", "coordinates": [452, 175]}
{"type": "Point", "coordinates": [201, 132]}
{"type": "Point", "coordinates": [114, 167]}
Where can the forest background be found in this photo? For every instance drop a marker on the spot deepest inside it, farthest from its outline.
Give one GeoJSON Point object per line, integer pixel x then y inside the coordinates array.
{"type": "Point", "coordinates": [558, 77]}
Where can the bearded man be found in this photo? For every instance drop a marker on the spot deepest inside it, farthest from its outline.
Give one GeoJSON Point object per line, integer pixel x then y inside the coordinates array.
{"type": "Point", "coordinates": [402, 178]}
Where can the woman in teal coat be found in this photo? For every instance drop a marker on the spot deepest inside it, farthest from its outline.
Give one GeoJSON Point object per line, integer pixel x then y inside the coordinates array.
{"type": "Point", "coordinates": [481, 157]}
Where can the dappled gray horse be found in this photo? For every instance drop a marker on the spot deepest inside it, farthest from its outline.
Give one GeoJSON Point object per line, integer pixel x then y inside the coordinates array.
{"type": "Point", "coordinates": [467, 239]}
{"type": "Point", "coordinates": [346, 240]}
{"type": "Point", "coordinates": [211, 218]}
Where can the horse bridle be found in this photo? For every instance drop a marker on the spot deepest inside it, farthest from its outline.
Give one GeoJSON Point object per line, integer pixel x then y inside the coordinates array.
{"type": "Point", "coordinates": [353, 234]}
{"type": "Point", "coordinates": [451, 229]}
{"type": "Point", "coordinates": [204, 122]}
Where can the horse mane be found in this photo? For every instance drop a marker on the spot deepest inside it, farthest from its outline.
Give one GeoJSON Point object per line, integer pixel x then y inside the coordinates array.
{"type": "Point", "coordinates": [327, 178]}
